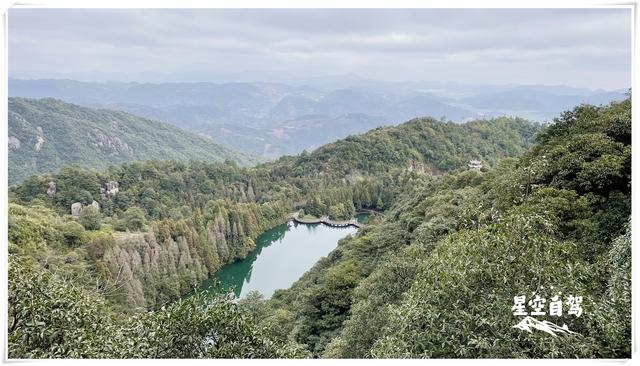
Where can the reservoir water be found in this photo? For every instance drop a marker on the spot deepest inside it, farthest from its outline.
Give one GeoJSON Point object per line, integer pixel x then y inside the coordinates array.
{"type": "Point", "coordinates": [282, 255]}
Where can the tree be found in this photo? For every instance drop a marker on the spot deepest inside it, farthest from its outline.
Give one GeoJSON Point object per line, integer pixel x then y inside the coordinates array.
{"type": "Point", "coordinates": [73, 233]}
{"type": "Point", "coordinates": [90, 218]}
{"type": "Point", "coordinates": [379, 203]}
{"type": "Point", "coordinates": [133, 218]}
{"type": "Point", "coordinates": [50, 317]}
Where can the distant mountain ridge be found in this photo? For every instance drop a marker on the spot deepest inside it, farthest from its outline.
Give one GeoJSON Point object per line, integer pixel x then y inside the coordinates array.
{"type": "Point", "coordinates": [272, 119]}
{"type": "Point", "coordinates": [46, 134]}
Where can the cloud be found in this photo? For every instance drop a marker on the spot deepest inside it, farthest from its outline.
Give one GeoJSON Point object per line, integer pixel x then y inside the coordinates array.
{"type": "Point", "coordinates": [488, 46]}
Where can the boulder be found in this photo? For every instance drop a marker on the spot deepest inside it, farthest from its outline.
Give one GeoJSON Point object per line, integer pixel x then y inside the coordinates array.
{"type": "Point", "coordinates": [51, 190]}
{"type": "Point", "coordinates": [111, 188]}
{"type": "Point", "coordinates": [75, 209]}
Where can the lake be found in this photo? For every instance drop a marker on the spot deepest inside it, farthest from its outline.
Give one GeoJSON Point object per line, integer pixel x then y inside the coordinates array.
{"type": "Point", "coordinates": [282, 255]}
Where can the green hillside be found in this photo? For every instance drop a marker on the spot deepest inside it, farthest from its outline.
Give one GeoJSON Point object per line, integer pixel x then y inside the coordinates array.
{"type": "Point", "coordinates": [434, 277]}
{"type": "Point", "coordinates": [440, 146]}
{"type": "Point", "coordinates": [437, 277]}
{"type": "Point", "coordinates": [45, 134]}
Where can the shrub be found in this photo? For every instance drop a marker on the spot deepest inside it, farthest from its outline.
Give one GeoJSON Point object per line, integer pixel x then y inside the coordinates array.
{"type": "Point", "coordinates": [90, 218]}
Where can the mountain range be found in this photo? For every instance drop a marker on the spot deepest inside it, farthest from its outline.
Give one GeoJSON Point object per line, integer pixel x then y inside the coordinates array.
{"type": "Point", "coordinates": [271, 119]}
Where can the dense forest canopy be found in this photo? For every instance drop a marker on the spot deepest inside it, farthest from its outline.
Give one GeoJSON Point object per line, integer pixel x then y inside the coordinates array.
{"type": "Point", "coordinates": [434, 278]}
{"type": "Point", "coordinates": [437, 277]}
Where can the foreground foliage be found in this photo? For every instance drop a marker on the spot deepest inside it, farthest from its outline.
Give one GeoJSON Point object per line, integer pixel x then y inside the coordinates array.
{"type": "Point", "coordinates": [51, 317]}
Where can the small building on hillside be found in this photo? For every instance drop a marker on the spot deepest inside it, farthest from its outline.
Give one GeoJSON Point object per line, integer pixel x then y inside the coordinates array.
{"type": "Point", "coordinates": [475, 165]}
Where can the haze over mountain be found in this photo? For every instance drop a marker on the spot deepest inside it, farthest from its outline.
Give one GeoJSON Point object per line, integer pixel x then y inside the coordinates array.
{"type": "Point", "coordinates": [273, 119]}
{"type": "Point", "coordinates": [46, 134]}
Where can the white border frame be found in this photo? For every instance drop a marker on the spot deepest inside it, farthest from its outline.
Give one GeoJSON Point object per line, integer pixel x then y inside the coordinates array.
{"type": "Point", "coordinates": [309, 4]}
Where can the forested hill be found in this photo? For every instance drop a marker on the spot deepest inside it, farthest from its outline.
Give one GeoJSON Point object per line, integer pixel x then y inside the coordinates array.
{"type": "Point", "coordinates": [45, 134]}
{"type": "Point", "coordinates": [145, 233]}
{"type": "Point", "coordinates": [428, 144]}
{"type": "Point", "coordinates": [354, 171]}
{"type": "Point", "coordinates": [437, 278]}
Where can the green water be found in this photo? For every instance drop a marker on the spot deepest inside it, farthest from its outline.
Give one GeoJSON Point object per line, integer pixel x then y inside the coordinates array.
{"type": "Point", "coordinates": [282, 255]}
{"type": "Point", "coordinates": [362, 216]}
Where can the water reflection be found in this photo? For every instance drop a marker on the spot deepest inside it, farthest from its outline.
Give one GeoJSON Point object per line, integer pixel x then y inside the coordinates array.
{"type": "Point", "coordinates": [281, 256]}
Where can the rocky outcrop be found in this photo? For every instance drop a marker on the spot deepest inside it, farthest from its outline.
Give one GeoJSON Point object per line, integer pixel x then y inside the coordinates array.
{"type": "Point", "coordinates": [39, 139]}
{"type": "Point", "coordinates": [14, 143]}
{"type": "Point", "coordinates": [51, 189]}
{"type": "Point", "coordinates": [110, 189]}
{"type": "Point", "coordinates": [75, 209]}
{"type": "Point", "coordinates": [111, 143]}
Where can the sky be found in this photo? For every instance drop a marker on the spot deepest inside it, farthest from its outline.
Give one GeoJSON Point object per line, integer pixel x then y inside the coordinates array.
{"type": "Point", "coordinates": [589, 48]}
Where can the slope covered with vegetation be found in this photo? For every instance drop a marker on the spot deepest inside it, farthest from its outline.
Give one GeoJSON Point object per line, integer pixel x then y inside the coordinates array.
{"type": "Point", "coordinates": [46, 134]}
{"type": "Point", "coordinates": [171, 224]}
{"type": "Point", "coordinates": [438, 276]}
{"type": "Point", "coordinates": [435, 278]}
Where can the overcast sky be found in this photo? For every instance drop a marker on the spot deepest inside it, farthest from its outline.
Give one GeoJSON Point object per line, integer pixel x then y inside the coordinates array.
{"type": "Point", "coordinates": [584, 48]}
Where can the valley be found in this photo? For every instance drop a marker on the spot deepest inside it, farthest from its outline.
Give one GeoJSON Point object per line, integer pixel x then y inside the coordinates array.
{"type": "Point", "coordinates": [536, 195]}
{"type": "Point", "coordinates": [319, 182]}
